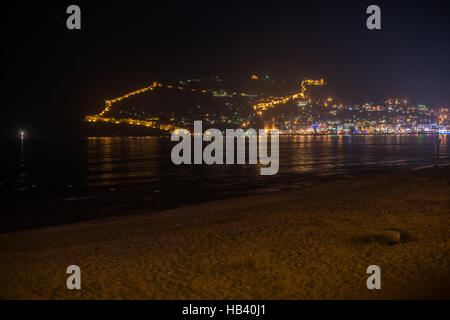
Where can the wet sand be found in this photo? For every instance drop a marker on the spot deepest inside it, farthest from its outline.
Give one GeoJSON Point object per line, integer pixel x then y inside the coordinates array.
{"type": "Point", "coordinates": [314, 243]}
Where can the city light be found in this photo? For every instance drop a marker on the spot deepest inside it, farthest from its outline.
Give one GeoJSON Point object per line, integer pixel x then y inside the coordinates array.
{"type": "Point", "coordinates": [394, 117]}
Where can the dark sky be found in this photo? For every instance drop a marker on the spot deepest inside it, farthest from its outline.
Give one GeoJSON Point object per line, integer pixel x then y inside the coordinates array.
{"type": "Point", "coordinates": [55, 76]}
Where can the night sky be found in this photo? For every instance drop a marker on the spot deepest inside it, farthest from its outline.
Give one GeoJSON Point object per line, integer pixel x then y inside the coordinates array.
{"type": "Point", "coordinates": [54, 76]}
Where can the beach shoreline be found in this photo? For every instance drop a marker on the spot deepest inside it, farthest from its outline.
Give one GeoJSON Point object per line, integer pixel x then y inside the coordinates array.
{"type": "Point", "coordinates": [310, 243]}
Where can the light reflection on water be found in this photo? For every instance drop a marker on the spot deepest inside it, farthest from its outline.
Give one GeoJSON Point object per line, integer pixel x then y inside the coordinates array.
{"type": "Point", "coordinates": [128, 161]}
{"type": "Point", "coordinates": [143, 165]}
{"type": "Point", "coordinates": [48, 182]}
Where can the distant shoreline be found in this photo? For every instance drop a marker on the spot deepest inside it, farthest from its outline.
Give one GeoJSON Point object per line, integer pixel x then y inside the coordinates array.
{"type": "Point", "coordinates": [293, 134]}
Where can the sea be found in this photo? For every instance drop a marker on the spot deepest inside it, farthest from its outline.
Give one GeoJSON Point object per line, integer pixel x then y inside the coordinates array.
{"type": "Point", "coordinates": [59, 181]}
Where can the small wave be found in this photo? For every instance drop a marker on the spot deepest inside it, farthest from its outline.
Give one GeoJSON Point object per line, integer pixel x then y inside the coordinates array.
{"type": "Point", "coordinates": [79, 198]}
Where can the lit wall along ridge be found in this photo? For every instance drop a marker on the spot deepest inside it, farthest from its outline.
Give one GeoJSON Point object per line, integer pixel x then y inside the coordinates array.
{"type": "Point", "coordinates": [263, 104]}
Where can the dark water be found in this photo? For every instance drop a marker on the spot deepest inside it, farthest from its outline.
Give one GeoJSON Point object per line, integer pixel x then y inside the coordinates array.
{"type": "Point", "coordinates": [52, 182]}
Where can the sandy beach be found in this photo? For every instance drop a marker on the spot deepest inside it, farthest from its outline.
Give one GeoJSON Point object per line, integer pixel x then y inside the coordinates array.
{"type": "Point", "coordinates": [313, 243]}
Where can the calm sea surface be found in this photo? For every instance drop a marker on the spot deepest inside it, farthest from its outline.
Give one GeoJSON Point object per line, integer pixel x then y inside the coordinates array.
{"type": "Point", "coordinates": [51, 182]}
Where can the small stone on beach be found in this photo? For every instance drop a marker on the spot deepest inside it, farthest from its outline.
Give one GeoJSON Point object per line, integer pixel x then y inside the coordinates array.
{"type": "Point", "coordinates": [392, 236]}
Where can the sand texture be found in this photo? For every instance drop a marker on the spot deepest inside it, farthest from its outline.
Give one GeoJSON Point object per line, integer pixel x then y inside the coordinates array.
{"type": "Point", "coordinates": [313, 243]}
